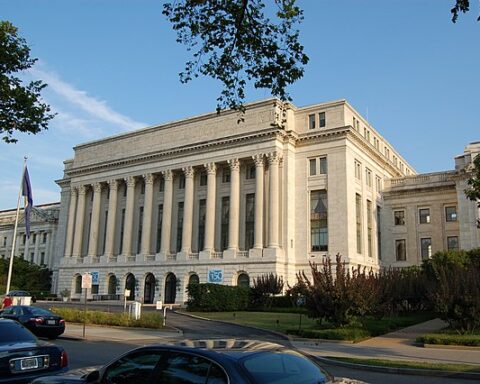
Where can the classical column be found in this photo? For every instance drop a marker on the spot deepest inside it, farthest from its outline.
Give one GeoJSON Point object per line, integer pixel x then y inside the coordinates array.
{"type": "Point", "coordinates": [259, 176]}
{"type": "Point", "coordinates": [188, 211]}
{"type": "Point", "coordinates": [80, 219]}
{"type": "Point", "coordinates": [112, 217]}
{"type": "Point", "coordinates": [167, 212]}
{"type": "Point", "coordinates": [71, 221]}
{"type": "Point", "coordinates": [234, 217]}
{"type": "Point", "coordinates": [48, 251]}
{"type": "Point", "coordinates": [36, 254]}
{"type": "Point", "coordinates": [147, 215]}
{"type": "Point", "coordinates": [95, 223]}
{"type": "Point", "coordinates": [273, 161]}
{"type": "Point", "coordinates": [210, 208]}
{"type": "Point", "coordinates": [127, 232]}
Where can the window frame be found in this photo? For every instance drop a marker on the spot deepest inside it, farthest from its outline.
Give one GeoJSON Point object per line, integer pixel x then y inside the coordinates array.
{"type": "Point", "coordinates": [428, 249]}
{"type": "Point", "coordinates": [400, 219]}
{"type": "Point", "coordinates": [453, 217]}
{"type": "Point", "coordinates": [397, 243]}
{"type": "Point", "coordinates": [422, 218]}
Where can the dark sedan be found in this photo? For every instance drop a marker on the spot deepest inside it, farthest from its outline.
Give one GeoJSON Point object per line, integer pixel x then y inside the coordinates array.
{"type": "Point", "coordinates": [23, 357]}
{"type": "Point", "coordinates": [209, 361]}
{"type": "Point", "coordinates": [41, 322]}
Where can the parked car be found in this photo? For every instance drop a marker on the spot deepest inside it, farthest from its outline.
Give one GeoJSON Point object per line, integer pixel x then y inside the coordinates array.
{"type": "Point", "coordinates": [19, 293]}
{"type": "Point", "coordinates": [23, 357]}
{"type": "Point", "coordinates": [209, 361]}
{"type": "Point", "coordinates": [41, 322]}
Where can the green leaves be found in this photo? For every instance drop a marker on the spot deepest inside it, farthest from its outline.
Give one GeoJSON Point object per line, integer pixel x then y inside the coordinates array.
{"type": "Point", "coordinates": [21, 106]}
{"type": "Point", "coordinates": [236, 43]}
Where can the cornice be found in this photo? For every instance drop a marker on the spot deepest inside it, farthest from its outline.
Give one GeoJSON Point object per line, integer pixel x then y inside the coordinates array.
{"type": "Point", "coordinates": [387, 195]}
{"type": "Point", "coordinates": [198, 148]}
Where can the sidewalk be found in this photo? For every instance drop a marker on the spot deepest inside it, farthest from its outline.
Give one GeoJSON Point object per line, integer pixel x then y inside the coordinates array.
{"type": "Point", "coordinates": [397, 345]}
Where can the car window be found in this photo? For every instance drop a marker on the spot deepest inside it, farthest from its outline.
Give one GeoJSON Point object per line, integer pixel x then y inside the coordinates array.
{"type": "Point", "coordinates": [183, 368]}
{"type": "Point", "coordinates": [11, 332]}
{"type": "Point", "coordinates": [283, 368]}
{"type": "Point", "coordinates": [35, 311]}
{"type": "Point", "coordinates": [18, 311]}
{"type": "Point", "coordinates": [136, 367]}
{"type": "Point", "coordinates": [8, 311]}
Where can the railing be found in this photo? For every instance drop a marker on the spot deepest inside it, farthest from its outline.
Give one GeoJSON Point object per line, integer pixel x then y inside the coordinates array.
{"type": "Point", "coordinates": [193, 256]}
{"type": "Point", "coordinates": [242, 254]}
{"type": "Point", "coordinates": [172, 256]}
{"type": "Point", "coordinates": [79, 260]}
{"type": "Point", "coordinates": [131, 258]}
{"type": "Point", "coordinates": [97, 297]}
{"type": "Point", "coordinates": [112, 259]}
{"type": "Point", "coordinates": [150, 258]}
{"type": "Point", "coordinates": [95, 259]}
{"type": "Point", "coordinates": [217, 255]}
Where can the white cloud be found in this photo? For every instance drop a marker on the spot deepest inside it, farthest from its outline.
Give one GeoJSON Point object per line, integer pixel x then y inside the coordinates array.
{"type": "Point", "coordinates": [96, 108]}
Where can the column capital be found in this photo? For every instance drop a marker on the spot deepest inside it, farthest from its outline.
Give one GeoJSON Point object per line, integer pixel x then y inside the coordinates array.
{"type": "Point", "coordinates": [113, 184]}
{"type": "Point", "coordinates": [73, 191]}
{"type": "Point", "coordinates": [211, 168]}
{"type": "Point", "coordinates": [274, 157]}
{"type": "Point", "coordinates": [188, 171]}
{"type": "Point", "coordinates": [97, 187]}
{"type": "Point", "coordinates": [82, 190]}
{"type": "Point", "coordinates": [167, 175]}
{"type": "Point", "coordinates": [259, 159]}
{"type": "Point", "coordinates": [149, 178]}
{"type": "Point", "coordinates": [234, 164]}
{"type": "Point", "coordinates": [130, 180]}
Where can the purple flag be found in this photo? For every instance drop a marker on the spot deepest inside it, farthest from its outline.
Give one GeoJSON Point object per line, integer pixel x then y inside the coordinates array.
{"type": "Point", "coordinates": [27, 193]}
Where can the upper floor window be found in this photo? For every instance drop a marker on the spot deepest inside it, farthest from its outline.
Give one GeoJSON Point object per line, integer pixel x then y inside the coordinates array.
{"type": "Point", "coordinates": [203, 178]}
{"type": "Point", "coordinates": [378, 183]}
{"type": "Point", "coordinates": [358, 170]}
{"type": "Point", "coordinates": [181, 182]}
{"type": "Point", "coordinates": [399, 217]}
{"type": "Point", "coordinates": [226, 175]}
{"type": "Point", "coordinates": [142, 188]}
{"type": "Point", "coordinates": [401, 166]}
{"type": "Point", "coordinates": [368, 177]}
{"type": "Point", "coordinates": [395, 160]}
{"type": "Point", "coordinates": [451, 213]}
{"type": "Point", "coordinates": [318, 166]}
{"type": "Point", "coordinates": [387, 153]}
{"type": "Point", "coordinates": [250, 172]}
{"type": "Point", "coordinates": [424, 215]}
{"type": "Point", "coordinates": [322, 119]}
{"type": "Point", "coordinates": [426, 248]}
{"type": "Point", "coordinates": [311, 121]}
{"type": "Point", "coordinates": [44, 238]}
{"type": "Point", "coordinates": [161, 185]}
{"type": "Point", "coordinates": [5, 241]}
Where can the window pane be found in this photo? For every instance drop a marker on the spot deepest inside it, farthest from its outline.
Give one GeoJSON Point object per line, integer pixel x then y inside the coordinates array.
{"type": "Point", "coordinates": [323, 165]}
{"type": "Point", "coordinates": [424, 215]}
{"type": "Point", "coordinates": [400, 250]}
{"type": "Point", "coordinates": [399, 217]}
{"type": "Point", "coordinates": [311, 121]}
{"type": "Point", "coordinates": [135, 368]}
{"type": "Point", "coordinates": [451, 213]}
{"type": "Point", "coordinates": [452, 243]}
{"type": "Point", "coordinates": [313, 167]}
{"type": "Point", "coordinates": [319, 221]}
{"type": "Point", "coordinates": [426, 248]}
{"type": "Point", "coordinates": [185, 369]}
{"type": "Point", "coordinates": [322, 119]}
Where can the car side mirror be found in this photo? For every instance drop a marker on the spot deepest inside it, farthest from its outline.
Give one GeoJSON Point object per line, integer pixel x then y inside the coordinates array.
{"type": "Point", "coordinates": [93, 377]}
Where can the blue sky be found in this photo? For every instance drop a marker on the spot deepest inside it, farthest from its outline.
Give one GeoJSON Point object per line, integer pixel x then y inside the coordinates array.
{"type": "Point", "coordinates": [112, 66]}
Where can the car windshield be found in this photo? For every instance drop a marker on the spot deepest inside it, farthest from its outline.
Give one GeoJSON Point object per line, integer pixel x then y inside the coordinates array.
{"type": "Point", "coordinates": [35, 311]}
{"type": "Point", "coordinates": [12, 332]}
{"type": "Point", "coordinates": [285, 367]}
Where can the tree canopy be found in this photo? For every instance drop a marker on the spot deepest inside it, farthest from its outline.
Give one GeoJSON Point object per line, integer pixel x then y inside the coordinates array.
{"type": "Point", "coordinates": [460, 6]}
{"type": "Point", "coordinates": [21, 106]}
{"type": "Point", "coordinates": [235, 41]}
{"type": "Point", "coordinates": [473, 192]}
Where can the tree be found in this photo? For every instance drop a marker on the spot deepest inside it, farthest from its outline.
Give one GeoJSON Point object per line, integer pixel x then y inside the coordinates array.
{"type": "Point", "coordinates": [460, 6]}
{"type": "Point", "coordinates": [235, 42]}
{"type": "Point", "coordinates": [21, 106]}
{"type": "Point", "coordinates": [473, 192]}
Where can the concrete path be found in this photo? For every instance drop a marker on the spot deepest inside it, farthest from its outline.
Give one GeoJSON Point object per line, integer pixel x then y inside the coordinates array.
{"type": "Point", "coordinates": [399, 345]}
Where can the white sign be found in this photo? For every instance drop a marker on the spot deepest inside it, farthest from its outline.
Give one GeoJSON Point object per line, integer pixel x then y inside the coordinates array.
{"type": "Point", "coordinates": [159, 304]}
{"type": "Point", "coordinates": [95, 278]}
{"type": "Point", "coordinates": [215, 276]}
{"type": "Point", "coordinates": [87, 280]}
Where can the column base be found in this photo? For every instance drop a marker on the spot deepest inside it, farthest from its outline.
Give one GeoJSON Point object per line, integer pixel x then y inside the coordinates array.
{"type": "Point", "coordinates": [230, 253]}
{"type": "Point", "coordinates": [204, 255]}
{"type": "Point", "coordinates": [183, 255]}
{"type": "Point", "coordinates": [256, 253]}
{"type": "Point", "coordinates": [273, 253]}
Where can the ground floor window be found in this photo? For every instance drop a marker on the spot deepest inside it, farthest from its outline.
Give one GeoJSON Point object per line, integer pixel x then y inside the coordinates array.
{"type": "Point", "coordinates": [319, 220]}
{"type": "Point", "coordinates": [400, 250]}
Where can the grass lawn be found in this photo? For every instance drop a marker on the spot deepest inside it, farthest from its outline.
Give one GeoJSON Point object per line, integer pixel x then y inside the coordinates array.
{"type": "Point", "coordinates": [290, 323]}
{"type": "Point", "coordinates": [410, 364]}
{"type": "Point", "coordinates": [449, 337]}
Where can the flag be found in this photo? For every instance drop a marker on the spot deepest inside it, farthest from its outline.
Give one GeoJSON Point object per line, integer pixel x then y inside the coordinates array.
{"type": "Point", "coordinates": [27, 193]}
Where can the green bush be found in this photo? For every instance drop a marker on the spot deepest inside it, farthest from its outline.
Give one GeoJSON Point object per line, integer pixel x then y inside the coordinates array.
{"type": "Point", "coordinates": [450, 339]}
{"type": "Point", "coordinates": [147, 320]}
{"type": "Point", "coordinates": [217, 298]}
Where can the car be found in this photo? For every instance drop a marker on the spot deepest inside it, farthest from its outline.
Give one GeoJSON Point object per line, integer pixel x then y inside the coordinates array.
{"type": "Point", "coordinates": [204, 361]}
{"type": "Point", "coordinates": [41, 322]}
{"type": "Point", "coordinates": [23, 357]}
{"type": "Point", "coordinates": [20, 293]}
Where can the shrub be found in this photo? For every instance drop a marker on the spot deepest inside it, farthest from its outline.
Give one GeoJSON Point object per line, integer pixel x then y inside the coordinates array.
{"type": "Point", "coordinates": [217, 298]}
{"type": "Point", "coordinates": [450, 339]}
{"type": "Point", "coordinates": [264, 288]}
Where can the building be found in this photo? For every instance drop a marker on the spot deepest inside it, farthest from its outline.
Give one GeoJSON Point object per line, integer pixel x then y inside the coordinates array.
{"type": "Point", "coordinates": [39, 248]}
{"type": "Point", "coordinates": [210, 198]}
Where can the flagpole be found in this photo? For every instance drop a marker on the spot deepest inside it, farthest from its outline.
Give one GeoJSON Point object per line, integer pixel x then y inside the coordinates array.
{"type": "Point", "coordinates": [10, 267]}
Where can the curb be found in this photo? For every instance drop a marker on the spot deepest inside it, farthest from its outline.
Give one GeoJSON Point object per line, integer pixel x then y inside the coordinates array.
{"type": "Point", "coordinates": [397, 370]}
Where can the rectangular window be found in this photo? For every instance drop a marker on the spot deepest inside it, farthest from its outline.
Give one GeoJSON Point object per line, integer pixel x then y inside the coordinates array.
{"type": "Point", "coordinates": [424, 214]}
{"type": "Point", "coordinates": [323, 165]}
{"type": "Point", "coordinates": [387, 153]}
{"type": "Point", "coordinates": [226, 175]}
{"type": "Point", "coordinates": [369, 229]}
{"type": "Point", "coordinates": [250, 172]}
{"type": "Point", "coordinates": [5, 241]}
{"type": "Point", "coordinates": [24, 239]}
{"type": "Point", "coordinates": [379, 232]}
{"type": "Point", "coordinates": [203, 178]}
{"type": "Point", "coordinates": [313, 167]}
{"type": "Point", "coordinates": [358, 216]}
{"type": "Point", "coordinates": [368, 177]}
{"type": "Point", "coordinates": [249, 220]}
{"type": "Point", "coordinates": [140, 228]}
{"type": "Point", "coordinates": [32, 257]}
{"type": "Point", "coordinates": [358, 170]}
{"type": "Point", "coordinates": [44, 238]}
{"type": "Point", "coordinates": [105, 232]}
{"type": "Point", "coordinates": [225, 222]}
{"type": "Point", "coordinates": [159, 227]}
{"type": "Point", "coordinates": [181, 182]}
{"type": "Point", "coordinates": [202, 212]}
{"type": "Point", "coordinates": [399, 217]}
{"type": "Point", "coordinates": [426, 248]}
{"type": "Point", "coordinates": [319, 221]}
{"type": "Point", "coordinates": [400, 250]}
{"type": "Point", "coordinates": [322, 119]}
{"type": "Point", "coordinates": [161, 185]}
{"type": "Point", "coordinates": [122, 230]}
{"type": "Point", "coordinates": [311, 121]}
{"type": "Point", "coordinates": [142, 188]}
{"type": "Point", "coordinates": [318, 166]}
{"type": "Point", "coordinates": [451, 213]}
{"type": "Point", "coordinates": [42, 258]}
{"type": "Point", "coordinates": [125, 190]}
{"type": "Point", "coordinates": [179, 226]}
{"type": "Point", "coordinates": [378, 183]}
{"type": "Point", "coordinates": [452, 243]}
{"type": "Point", "coordinates": [35, 237]}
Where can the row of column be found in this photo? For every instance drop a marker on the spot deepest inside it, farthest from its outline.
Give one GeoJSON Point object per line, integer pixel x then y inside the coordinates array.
{"type": "Point", "coordinates": [76, 217]}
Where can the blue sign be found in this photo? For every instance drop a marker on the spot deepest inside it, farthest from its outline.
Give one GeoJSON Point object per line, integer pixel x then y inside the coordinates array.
{"type": "Point", "coordinates": [95, 278]}
{"type": "Point", "coordinates": [215, 276]}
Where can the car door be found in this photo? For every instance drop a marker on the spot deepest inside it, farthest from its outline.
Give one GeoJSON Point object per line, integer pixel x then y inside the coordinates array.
{"type": "Point", "coordinates": [10, 313]}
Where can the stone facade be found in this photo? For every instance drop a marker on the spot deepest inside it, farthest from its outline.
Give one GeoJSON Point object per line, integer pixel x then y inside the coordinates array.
{"type": "Point", "coordinates": [212, 198]}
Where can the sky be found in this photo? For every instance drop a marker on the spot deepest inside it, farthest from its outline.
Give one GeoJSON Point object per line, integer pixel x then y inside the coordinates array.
{"type": "Point", "coordinates": [112, 66]}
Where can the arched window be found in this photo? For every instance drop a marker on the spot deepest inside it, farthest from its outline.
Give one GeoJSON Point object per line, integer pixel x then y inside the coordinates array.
{"type": "Point", "coordinates": [149, 289]}
{"type": "Point", "coordinates": [130, 285]}
{"type": "Point", "coordinates": [193, 279]}
{"type": "Point", "coordinates": [243, 280]}
{"type": "Point", "coordinates": [170, 288]}
{"type": "Point", "coordinates": [78, 284]}
{"type": "Point", "coordinates": [112, 285]}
